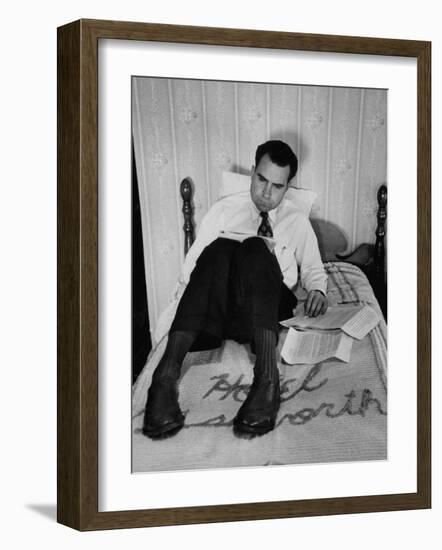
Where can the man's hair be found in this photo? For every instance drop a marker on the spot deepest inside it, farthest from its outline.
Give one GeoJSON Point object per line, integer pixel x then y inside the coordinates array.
{"type": "Point", "coordinates": [280, 153]}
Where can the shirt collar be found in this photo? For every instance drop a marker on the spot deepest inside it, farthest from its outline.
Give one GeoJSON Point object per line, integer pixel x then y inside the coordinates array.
{"type": "Point", "coordinates": [273, 214]}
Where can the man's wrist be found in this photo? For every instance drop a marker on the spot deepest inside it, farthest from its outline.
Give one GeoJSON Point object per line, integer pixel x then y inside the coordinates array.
{"type": "Point", "coordinates": [318, 290]}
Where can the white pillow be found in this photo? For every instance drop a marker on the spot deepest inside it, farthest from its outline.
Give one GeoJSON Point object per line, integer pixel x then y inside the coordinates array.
{"type": "Point", "coordinates": [233, 183]}
{"type": "Point", "coordinates": [302, 198]}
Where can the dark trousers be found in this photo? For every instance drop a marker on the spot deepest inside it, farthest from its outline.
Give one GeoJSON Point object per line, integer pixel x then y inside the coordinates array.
{"type": "Point", "coordinates": [233, 289]}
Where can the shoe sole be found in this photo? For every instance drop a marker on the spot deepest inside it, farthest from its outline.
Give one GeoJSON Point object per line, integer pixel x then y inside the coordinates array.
{"type": "Point", "coordinates": [164, 432]}
{"type": "Point", "coordinates": [244, 429]}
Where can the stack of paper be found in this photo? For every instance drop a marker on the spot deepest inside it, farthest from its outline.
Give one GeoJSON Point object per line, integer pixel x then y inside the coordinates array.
{"type": "Point", "coordinates": [356, 321]}
{"type": "Point", "coordinates": [313, 339]}
{"type": "Point", "coordinates": [312, 347]}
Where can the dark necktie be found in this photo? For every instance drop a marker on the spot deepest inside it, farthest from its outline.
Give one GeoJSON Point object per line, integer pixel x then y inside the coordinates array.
{"type": "Point", "coordinates": [265, 229]}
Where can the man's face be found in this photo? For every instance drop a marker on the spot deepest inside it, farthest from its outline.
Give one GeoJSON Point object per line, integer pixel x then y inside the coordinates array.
{"type": "Point", "coordinates": [269, 184]}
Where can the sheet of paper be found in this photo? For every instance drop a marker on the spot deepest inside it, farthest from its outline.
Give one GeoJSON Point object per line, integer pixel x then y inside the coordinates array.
{"type": "Point", "coordinates": [356, 321]}
{"type": "Point", "coordinates": [240, 237]}
{"type": "Point", "coordinates": [361, 324]}
{"type": "Point", "coordinates": [310, 347]}
{"type": "Point", "coordinates": [334, 318]}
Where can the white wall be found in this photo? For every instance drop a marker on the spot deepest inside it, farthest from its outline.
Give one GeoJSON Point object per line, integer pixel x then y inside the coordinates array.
{"type": "Point", "coordinates": [28, 274]}
{"type": "Point", "coordinates": [198, 129]}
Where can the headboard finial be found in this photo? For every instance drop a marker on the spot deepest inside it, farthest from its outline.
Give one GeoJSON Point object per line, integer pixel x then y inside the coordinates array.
{"type": "Point", "coordinates": [379, 249]}
{"type": "Point", "coordinates": [382, 210]}
{"type": "Point", "coordinates": [186, 190]}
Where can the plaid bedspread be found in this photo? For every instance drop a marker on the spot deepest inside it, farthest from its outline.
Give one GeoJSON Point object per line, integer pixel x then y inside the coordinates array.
{"type": "Point", "coordinates": [331, 411]}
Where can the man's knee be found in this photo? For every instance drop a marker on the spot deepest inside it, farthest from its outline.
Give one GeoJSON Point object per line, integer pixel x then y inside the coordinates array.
{"type": "Point", "coordinates": [255, 244]}
{"type": "Point", "coordinates": [257, 262]}
{"type": "Point", "coordinates": [255, 250]}
{"type": "Point", "coordinates": [216, 250]}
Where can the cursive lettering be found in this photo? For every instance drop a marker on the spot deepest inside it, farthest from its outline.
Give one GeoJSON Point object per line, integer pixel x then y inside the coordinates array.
{"type": "Point", "coordinates": [238, 390]}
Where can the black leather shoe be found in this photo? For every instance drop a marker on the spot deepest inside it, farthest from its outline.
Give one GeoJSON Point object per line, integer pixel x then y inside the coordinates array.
{"type": "Point", "coordinates": [258, 413]}
{"type": "Point", "coordinates": [162, 416]}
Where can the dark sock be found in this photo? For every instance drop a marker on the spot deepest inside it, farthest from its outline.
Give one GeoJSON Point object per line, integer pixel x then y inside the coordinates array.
{"type": "Point", "coordinates": [178, 345]}
{"type": "Point", "coordinates": [265, 348]}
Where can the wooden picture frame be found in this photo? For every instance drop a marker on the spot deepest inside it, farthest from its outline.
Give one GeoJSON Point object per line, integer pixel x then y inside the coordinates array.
{"type": "Point", "coordinates": [77, 223]}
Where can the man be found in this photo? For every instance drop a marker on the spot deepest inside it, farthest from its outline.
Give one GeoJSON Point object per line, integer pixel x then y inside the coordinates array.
{"type": "Point", "coordinates": [240, 288]}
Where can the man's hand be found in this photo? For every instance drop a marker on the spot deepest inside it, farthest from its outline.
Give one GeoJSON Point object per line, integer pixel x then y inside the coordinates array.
{"type": "Point", "coordinates": [316, 303]}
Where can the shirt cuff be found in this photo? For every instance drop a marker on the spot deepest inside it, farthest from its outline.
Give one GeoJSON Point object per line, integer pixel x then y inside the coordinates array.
{"type": "Point", "coordinates": [322, 288]}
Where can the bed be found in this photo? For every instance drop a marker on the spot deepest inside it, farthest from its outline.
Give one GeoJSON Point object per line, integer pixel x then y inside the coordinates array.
{"type": "Point", "coordinates": [330, 412]}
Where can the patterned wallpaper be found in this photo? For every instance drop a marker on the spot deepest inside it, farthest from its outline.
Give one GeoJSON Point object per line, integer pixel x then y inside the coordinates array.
{"type": "Point", "coordinates": [201, 128]}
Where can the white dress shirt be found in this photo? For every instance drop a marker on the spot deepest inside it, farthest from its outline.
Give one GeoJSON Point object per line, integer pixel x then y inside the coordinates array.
{"type": "Point", "coordinates": [296, 246]}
